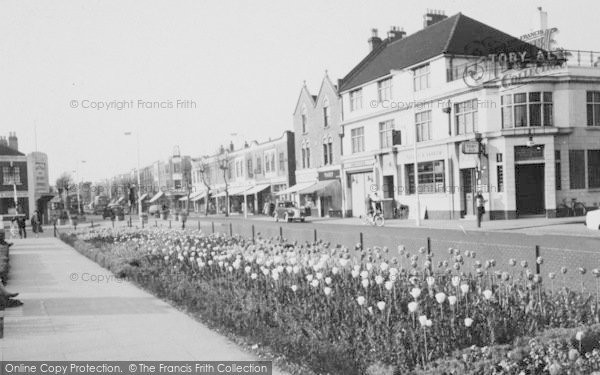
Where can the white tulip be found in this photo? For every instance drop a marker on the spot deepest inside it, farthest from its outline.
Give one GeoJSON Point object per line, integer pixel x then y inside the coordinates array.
{"type": "Point", "coordinates": [364, 274]}
{"type": "Point", "coordinates": [294, 288]}
{"type": "Point", "coordinates": [393, 271]}
{"type": "Point", "coordinates": [415, 293]}
{"type": "Point", "coordinates": [365, 283]}
{"type": "Point", "coordinates": [309, 277]}
{"type": "Point", "coordinates": [455, 281]}
{"type": "Point", "coordinates": [379, 279]}
{"type": "Point", "coordinates": [487, 294]}
{"type": "Point", "coordinates": [319, 275]}
{"type": "Point", "coordinates": [315, 283]}
{"type": "Point", "coordinates": [327, 290]}
{"type": "Point", "coordinates": [413, 306]}
{"type": "Point", "coordinates": [389, 285]}
{"type": "Point", "coordinates": [383, 266]}
{"type": "Point", "coordinates": [361, 300]}
{"type": "Point", "coordinates": [253, 276]}
{"type": "Point", "coordinates": [430, 281]}
{"type": "Point", "coordinates": [468, 322]}
{"type": "Point", "coordinates": [369, 266]}
{"type": "Point", "coordinates": [381, 305]}
{"type": "Point", "coordinates": [335, 270]}
{"type": "Point", "coordinates": [423, 320]}
{"type": "Point", "coordinates": [579, 336]}
{"type": "Point", "coordinates": [355, 274]}
{"type": "Point", "coordinates": [452, 300]}
{"type": "Point", "coordinates": [296, 269]}
{"type": "Point", "coordinates": [328, 280]}
{"type": "Point", "coordinates": [440, 297]}
{"type": "Point", "coordinates": [464, 288]}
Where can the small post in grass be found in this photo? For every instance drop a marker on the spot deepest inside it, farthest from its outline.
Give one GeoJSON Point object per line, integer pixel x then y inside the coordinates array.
{"type": "Point", "coordinates": [230, 230]}
{"type": "Point", "coordinates": [54, 229]}
{"type": "Point", "coordinates": [315, 234]}
{"type": "Point", "coordinates": [253, 240]}
{"type": "Point", "coordinates": [199, 224]}
{"type": "Point", "coordinates": [428, 245]}
{"type": "Point", "coordinates": [281, 232]}
{"type": "Point", "coordinates": [537, 255]}
{"type": "Point", "coordinates": [213, 226]}
{"type": "Point", "coordinates": [169, 224]}
{"type": "Point", "coordinates": [362, 244]}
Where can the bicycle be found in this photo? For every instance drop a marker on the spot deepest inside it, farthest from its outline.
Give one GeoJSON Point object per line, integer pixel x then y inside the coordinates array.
{"type": "Point", "coordinates": [374, 219]}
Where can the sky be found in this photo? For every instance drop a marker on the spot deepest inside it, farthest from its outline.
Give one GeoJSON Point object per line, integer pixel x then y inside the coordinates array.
{"type": "Point", "coordinates": [218, 70]}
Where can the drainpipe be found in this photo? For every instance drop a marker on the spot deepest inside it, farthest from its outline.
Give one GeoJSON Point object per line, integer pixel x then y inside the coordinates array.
{"type": "Point", "coordinates": [448, 110]}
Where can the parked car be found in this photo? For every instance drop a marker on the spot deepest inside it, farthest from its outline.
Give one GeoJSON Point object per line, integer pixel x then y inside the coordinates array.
{"type": "Point", "coordinates": [154, 210]}
{"type": "Point", "coordinates": [289, 212]}
{"type": "Point", "coordinates": [592, 219]}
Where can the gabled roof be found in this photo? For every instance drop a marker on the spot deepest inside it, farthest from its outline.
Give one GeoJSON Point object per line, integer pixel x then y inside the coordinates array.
{"type": "Point", "coordinates": [5, 150]}
{"type": "Point", "coordinates": [456, 35]}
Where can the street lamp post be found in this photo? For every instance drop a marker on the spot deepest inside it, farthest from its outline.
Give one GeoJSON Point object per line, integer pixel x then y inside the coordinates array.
{"type": "Point", "coordinates": [416, 179]}
{"type": "Point", "coordinates": [139, 182]}
{"type": "Point", "coordinates": [79, 209]}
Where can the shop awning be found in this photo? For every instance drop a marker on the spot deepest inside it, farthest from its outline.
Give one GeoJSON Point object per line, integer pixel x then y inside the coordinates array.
{"type": "Point", "coordinates": [192, 196]}
{"type": "Point", "coordinates": [144, 196]}
{"type": "Point", "coordinates": [156, 197]}
{"type": "Point", "coordinates": [319, 186]}
{"type": "Point", "coordinates": [198, 196]}
{"type": "Point", "coordinates": [257, 189]}
{"type": "Point", "coordinates": [296, 188]}
{"type": "Point", "coordinates": [236, 190]}
{"type": "Point", "coordinates": [120, 200]}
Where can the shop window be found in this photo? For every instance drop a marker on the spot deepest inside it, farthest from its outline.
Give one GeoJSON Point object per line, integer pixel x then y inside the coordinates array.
{"type": "Point", "coordinates": [388, 186]}
{"type": "Point", "coordinates": [500, 177]}
{"type": "Point", "coordinates": [527, 109]}
{"type": "Point", "coordinates": [466, 117]}
{"type": "Point", "coordinates": [577, 169]}
{"type": "Point", "coordinates": [593, 169]}
{"type": "Point", "coordinates": [431, 177]}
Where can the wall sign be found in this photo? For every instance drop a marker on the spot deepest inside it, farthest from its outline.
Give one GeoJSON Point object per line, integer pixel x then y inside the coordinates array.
{"type": "Point", "coordinates": [470, 147]}
{"type": "Point", "coordinates": [329, 175]}
{"type": "Point", "coordinates": [525, 153]}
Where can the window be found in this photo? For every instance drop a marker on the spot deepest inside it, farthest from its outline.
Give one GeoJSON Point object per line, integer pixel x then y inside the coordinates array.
{"type": "Point", "coordinates": [258, 166]}
{"type": "Point", "coordinates": [270, 162]}
{"type": "Point", "coordinates": [593, 169]}
{"type": "Point", "coordinates": [282, 161]}
{"type": "Point", "coordinates": [557, 173]}
{"type": "Point", "coordinates": [386, 129]}
{"type": "Point", "coordinates": [11, 176]}
{"type": "Point", "coordinates": [249, 167]}
{"type": "Point", "coordinates": [330, 144]}
{"type": "Point", "coordinates": [355, 100]}
{"type": "Point", "coordinates": [325, 154]}
{"type": "Point", "coordinates": [358, 139]}
{"type": "Point", "coordinates": [466, 117]}
{"type": "Point", "coordinates": [577, 169]}
{"type": "Point", "coordinates": [527, 109]}
{"type": "Point", "coordinates": [593, 108]}
{"type": "Point", "coordinates": [303, 157]}
{"type": "Point", "coordinates": [307, 156]}
{"type": "Point", "coordinates": [423, 126]}
{"type": "Point", "coordinates": [327, 151]}
{"type": "Point", "coordinates": [384, 89]}
{"type": "Point", "coordinates": [431, 177]}
{"type": "Point", "coordinates": [388, 186]}
{"type": "Point", "coordinates": [500, 176]}
{"type": "Point", "coordinates": [303, 119]}
{"type": "Point", "coordinates": [421, 78]}
{"type": "Point", "coordinates": [326, 113]}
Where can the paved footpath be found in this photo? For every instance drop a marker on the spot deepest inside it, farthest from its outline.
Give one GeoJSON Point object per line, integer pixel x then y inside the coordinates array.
{"type": "Point", "coordinates": [62, 319]}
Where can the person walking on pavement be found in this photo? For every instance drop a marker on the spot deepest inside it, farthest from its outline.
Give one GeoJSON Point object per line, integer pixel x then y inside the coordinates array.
{"type": "Point", "coordinates": [480, 208]}
{"type": "Point", "coordinates": [36, 225]}
{"type": "Point", "coordinates": [21, 221]}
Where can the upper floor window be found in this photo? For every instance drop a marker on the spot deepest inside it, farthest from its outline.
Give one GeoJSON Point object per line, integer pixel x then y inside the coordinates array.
{"type": "Point", "coordinates": [249, 167]}
{"type": "Point", "coordinates": [281, 161]}
{"type": "Point", "coordinates": [384, 89]}
{"type": "Point", "coordinates": [327, 151]}
{"type": "Point", "coordinates": [325, 113]}
{"type": "Point", "coordinates": [258, 166]}
{"type": "Point", "coordinates": [593, 108]}
{"type": "Point", "coordinates": [355, 100]}
{"type": "Point", "coordinates": [423, 125]}
{"type": "Point", "coordinates": [270, 162]}
{"type": "Point", "coordinates": [358, 139]}
{"type": "Point", "coordinates": [421, 77]}
{"type": "Point", "coordinates": [527, 109]}
{"type": "Point", "coordinates": [466, 117]}
{"type": "Point", "coordinates": [305, 155]}
{"type": "Point", "coordinates": [11, 176]}
{"type": "Point", "coordinates": [386, 130]}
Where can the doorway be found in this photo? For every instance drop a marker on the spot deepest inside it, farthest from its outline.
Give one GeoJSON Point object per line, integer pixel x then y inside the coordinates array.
{"type": "Point", "coordinates": [529, 184]}
{"type": "Point", "coordinates": [468, 177]}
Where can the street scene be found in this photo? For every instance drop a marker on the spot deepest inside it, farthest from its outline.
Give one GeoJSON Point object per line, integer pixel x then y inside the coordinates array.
{"type": "Point", "coordinates": [300, 188]}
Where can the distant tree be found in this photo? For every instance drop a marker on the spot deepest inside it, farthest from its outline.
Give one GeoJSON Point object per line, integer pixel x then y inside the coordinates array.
{"type": "Point", "coordinates": [204, 171]}
{"type": "Point", "coordinates": [63, 184]}
{"type": "Point", "coordinates": [223, 161]}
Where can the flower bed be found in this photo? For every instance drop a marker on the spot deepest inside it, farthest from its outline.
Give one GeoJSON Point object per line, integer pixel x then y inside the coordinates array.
{"type": "Point", "coordinates": [335, 313]}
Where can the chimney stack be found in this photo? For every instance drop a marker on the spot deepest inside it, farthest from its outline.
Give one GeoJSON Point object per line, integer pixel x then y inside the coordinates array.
{"type": "Point", "coordinates": [13, 141]}
{"type": "Point", "coordinates": [433, 16]}
{"type": "Point", "coordinates": [3, 141]}
{"type": "Point", "coordinates": [396, 33]}
{"type": "Point", "coordinates": [231, 148]}
{"type": "Point", "coordinates": [374, 40]}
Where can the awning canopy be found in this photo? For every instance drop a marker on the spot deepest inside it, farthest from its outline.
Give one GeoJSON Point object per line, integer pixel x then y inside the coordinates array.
{"type": "Point", "coordinates": [319, 186]}
{"type": "Point", "coordinates": [296, 188]}
{"type": "Point", "coordinates": [120, 200]}
{"type": "Point", "coordinates": [193, 196]}
{"type": "Point", "coordinates": [199, 196]}
{"type": "Point", "coordinates": [257, 189]}
{"type": "Point", "coordinates": [237, 190]}
{"type": "Point", "coordinates": [144, 196]}
{"type": "Point", "coordinates": [156, 197]}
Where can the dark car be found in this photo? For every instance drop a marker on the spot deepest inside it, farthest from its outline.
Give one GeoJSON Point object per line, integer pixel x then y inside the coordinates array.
{"type": "Point", "coordinates": [289, 212]}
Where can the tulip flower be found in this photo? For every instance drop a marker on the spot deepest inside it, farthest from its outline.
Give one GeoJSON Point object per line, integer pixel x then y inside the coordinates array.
{"type": "Point", "coordinates": [464, 288]}
{"type": "Point", "coordinates": [423, 320]}
{"type": "Point", "coordinates": [381, 305]}
{"type": "Point", "coordinates": [361, 300]}
{"type": "Point", "coordinates": [328, 280]}
{"type": "Point", "coordinates": [487, 294]}
{"type": "Point", "coordinates": [415, 293]}
{"type": "Point", "coordinates": [253, 276]}
{"type": "Point", "coordinates": [294, 288]}
{"type": "Point", "coordinates": [327, 290]}
{"type": "Point", "coordinates": [364, 274]}
{"type": "Point", "coordinates": [309, 277]}
{"type": "Point", "coordinates": [468, 322]}
{"type": "Point", "coordinates": [383, 266]}
{"type": "Point", "coordinates": [455, 281]}
{"type": "Point", "coordinates": [365, 283]}
{"type": "Point", "coordinates": [413, 306]}
{"type": "Point", "coordinates": [379, 279]}
{"type": "Point", "coordinates": [389, 285]}
{"type": "Point", "coordinates": [452, 300]}
{"type": "Point", "coordinates": [440, 297]}
{"type": "Point", "coordinates": [355, 274]}
{"type": "Point", "coordinates": [314, 283]}
{"type": "Point", "coordinates": [335, 270]}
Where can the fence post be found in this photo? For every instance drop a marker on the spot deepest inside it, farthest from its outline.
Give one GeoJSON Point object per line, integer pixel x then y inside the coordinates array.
{"type": "Point", "coordinates": [230, 229]}
{"type": "Point", "coordinates": [537, 255]}
{"type": "Point", "coordinates": [155, 223]}
{"type": "Point", "coordinates": [169, 224]}
{"type": "Point", "coordinates": [142, 223]}
{"type": "Point", "coordinates": [361, 241]}
{"type": "Point", "coordinates": [213, 226]}
{"type": "Point", "coordinates": [54, 229]}
{"type": "Point", "coordinates": [2, 320]}
{"type": "Point", "coordinates": [199, 227]}
{"type": "Point", "coordinates": [315, 234]}
{"type": "Point", "coordinates": [253, 241]}
{"type": "Point", "coordinates": [280, 232]}
{"type": "Point", "coordinates": [91, 223]}
{"type": "Point", "coordinates": [428, 245]}
{"type": "Point", "coordinates": [113, 224]}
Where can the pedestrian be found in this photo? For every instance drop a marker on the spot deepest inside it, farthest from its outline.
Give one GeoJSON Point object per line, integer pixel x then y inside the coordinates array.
{"type": "Point", "coordinates": [21, 221]}
{"type": "Point", "coordinates": [36, 225]}
{"type": "Point", "coordinates": [480, 208]}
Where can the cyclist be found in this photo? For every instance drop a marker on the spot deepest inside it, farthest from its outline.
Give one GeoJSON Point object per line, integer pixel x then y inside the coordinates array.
{"type": "Point", "coordinates": [375, 200]}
